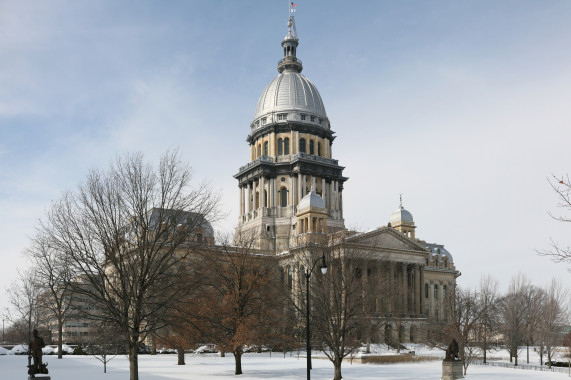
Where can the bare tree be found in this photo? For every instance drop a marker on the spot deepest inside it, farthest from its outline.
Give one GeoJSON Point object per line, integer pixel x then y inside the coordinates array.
{"type": "Point", "coordinates": [562, 189]}
{"type": "Point", "coordinates": [342, 300]}
{"type": "Point", "coordinates": [52, 275]}
{"type": "Point", "coordinates": [519, 311]}
{"type": "Point", "coordinates": [23, 294]}
{"type": "Point", "coordinates": [105, 344]}
{"type": "Point", "coordinates": [127, 233]}
{"type": "Point", "coordinates": [553, 316]}
{"type": "Point", "coordinates": [238, 305]}
{"type": "Point", "coordinates": [489, 319]}
{"type": "Point", "coordinates": [466, 309]}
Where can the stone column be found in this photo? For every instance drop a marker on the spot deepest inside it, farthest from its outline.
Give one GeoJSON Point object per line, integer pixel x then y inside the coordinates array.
{"type": "Point", "coordinates": [422, 299]}
{"type": "Point", "coordinates": [241, 200]}
{"type": "Point", "coordinates": [392, 286]}
{"type": "Point", "coordinates": [249, 202]}
{"type": "Point", "coordinates": [299, 184]}
{"type": "Point", "coordinates": [323, 191]}
{"type": "Point", "coordinates": [262, 192]}
{"type": "Point", "coordinates": [404, 289]}
{"type": "Point", "coordinates": [417, 293]}
{"type": "Point", "coordinates": [341, 204]}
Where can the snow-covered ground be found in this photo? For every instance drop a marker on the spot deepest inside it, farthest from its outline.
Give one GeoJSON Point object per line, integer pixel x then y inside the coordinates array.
{"type": "Point", "coordinates": [255, 367]}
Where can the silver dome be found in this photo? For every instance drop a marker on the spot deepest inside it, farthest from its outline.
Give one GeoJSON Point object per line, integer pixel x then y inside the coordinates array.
{"type": "Point", "coordinates": [311, 200]}
{"type": "Point", "coordinates": [401, 216]}
{"type": "Point", "coordinates": [290, 91]}
{"type": "Point", "coordinates": [440, 251]}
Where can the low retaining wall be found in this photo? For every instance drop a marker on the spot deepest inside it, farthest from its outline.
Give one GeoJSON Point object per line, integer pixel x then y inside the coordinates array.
{"type": "Point", "coordinates": [387, 359]}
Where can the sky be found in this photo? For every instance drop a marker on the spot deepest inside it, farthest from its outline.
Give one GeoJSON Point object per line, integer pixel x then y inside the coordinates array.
{"type": "Point", "coordinates": [463, 107]}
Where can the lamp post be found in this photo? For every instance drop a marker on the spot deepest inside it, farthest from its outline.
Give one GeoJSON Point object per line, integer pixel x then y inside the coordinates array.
{"type": "Point", "coordinates": [323, 268]}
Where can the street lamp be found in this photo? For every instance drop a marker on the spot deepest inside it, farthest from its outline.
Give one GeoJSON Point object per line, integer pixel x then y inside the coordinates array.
{"type": "Point", "coordinates": [323, 268]}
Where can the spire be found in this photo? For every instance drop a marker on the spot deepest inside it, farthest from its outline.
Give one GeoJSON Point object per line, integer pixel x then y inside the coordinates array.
{"type": "Point", "coordinates": [401, 200]}
{"type": "Point", "coordinates": [289, 43]}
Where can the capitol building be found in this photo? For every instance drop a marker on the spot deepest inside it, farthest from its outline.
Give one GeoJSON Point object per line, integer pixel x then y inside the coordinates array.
{"type": "Point", "coordinates": [291, 191]}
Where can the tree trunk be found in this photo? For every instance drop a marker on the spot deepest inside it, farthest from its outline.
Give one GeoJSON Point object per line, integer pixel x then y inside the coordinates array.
{"type": "Point", "coordinates": [180, 353]}
{"type": "Point", "coordinates": [238, 359]}
{"type": "Point", "coordinates": [337, 365]}
{"type": "Point", "coordinates": [104, 364]}
{"type": "Point", "coordinates": [133, 360]}
{"type": "Point", "coordinates": [515, 359]}
{"type": "Point", "coordinates": [60, 339]}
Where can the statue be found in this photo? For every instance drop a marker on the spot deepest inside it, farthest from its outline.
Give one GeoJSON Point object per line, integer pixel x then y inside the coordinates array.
{"type": "Point", "coordinates": [35, 349]}
{"type": "Point", "coordinates": [452, 351]}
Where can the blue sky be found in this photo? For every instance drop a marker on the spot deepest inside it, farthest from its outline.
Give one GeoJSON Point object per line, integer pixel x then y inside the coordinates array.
{"type": "Point", "coordinates": [462, 106]}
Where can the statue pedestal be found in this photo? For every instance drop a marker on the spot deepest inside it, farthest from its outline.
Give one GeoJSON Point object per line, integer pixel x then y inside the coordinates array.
{"type": "Point", "coordinates": [452, 369]}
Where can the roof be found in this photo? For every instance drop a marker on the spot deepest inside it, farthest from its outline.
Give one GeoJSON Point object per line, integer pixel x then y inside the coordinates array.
{"type": "Point", "coordinates": [311, 199]}
{"type": "Point", "coordinates": [180, 217]}
{"type": "Point", "coordinates": [290, 91]}
{"type": "Point", "coordinates": [439, 250]}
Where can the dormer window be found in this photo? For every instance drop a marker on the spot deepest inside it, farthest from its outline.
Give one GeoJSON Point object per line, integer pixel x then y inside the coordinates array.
{"type": "Point", "coordinates": [303, 116]}
{"type": "Point", "coordinates": [282, 116]}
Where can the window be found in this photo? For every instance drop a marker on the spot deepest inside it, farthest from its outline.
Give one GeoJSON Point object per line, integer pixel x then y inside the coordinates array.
{"type": "Point", "coordinates": [280, 147]}
{"type": "Point", "coordinates": [199, 238]}
{"type": "Point", "coordinates": [320, 120]}
{"type": "Point", "coordinates": [286, 145]}
{"type": "Point", "coordinates": [312, 118]}
{"type": "Point", "coordinates": [302, 145]}
{"type": "Point", "coordinates": [259, 150]}
{"type": "Point", "coordinates": [444, 291]}
{"type": "Point", "coordinates": [264, 120]}
{"type": "Point", "coordinates": [283, 196]}
{"type": "Point", "coordinates": [257, 123]}
{"type": "Point", "coordinates": [426, 290]}
{"type": "Point", "coordinates": [435, 292]}
{"type": "Point", "coordinates": [282, 116]}
{"type": "Point", "coordinates": [319, 149]}
{"type": "Point", "coordinates": [311, 147]}
{"type": "Point", "coordinates": [266, 148]}
{"type": "Point", "coordinates": [289, 278]}
{"type": "Point", "coordinates": [265, 198]}
{"type": "Point", "coordinates": [303, 117]}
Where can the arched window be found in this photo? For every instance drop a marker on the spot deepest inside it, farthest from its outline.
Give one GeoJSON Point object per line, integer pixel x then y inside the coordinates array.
{"type": "Point", "coordinates": [302, 145]}
{"type": "Point", "coordinates": [265, 198]}
{"type": "Point", "coordinates": [311, 147]}
{"type": "Point", "coordinates": [319, 149]}
{"type": "Point", "coordinates": [443, 291]}
{"type": "Point", "coordinates": [426, 290]}
{"type": "Point", "coordinates": [266, 145]}
{"type": "Point", "coordinates": [280, 147]}
{"type": "Point", "coordinates": [259, 150]}
{"type": "Point", "coordinates": [435, 291]}
{"type": "Point", "coordinates": [289, 278]}
{"type": "Point", "coordinates": [283, 196]}
{"type": "Point", "coordinates": [286, 146]}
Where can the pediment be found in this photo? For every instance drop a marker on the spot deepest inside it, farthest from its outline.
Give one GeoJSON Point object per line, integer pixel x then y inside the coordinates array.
{"type": "Point", "coordinates": [387, 238]}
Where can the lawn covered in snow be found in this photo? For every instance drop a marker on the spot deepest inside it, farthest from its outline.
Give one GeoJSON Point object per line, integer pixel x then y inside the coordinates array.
{"type": "Point", "coordinates": [255, 367]}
